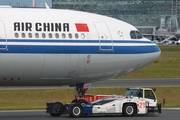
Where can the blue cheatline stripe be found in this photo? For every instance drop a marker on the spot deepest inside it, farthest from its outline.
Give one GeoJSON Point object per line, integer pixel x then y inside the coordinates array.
{"type": "Point", "coordinates": [79, 49]}
{"type": "Point", "coordinates": [77, 41]}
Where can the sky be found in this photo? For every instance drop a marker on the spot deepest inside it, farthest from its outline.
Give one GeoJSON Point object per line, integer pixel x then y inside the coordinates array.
{"type": "Point", "coordinates": [38, 3]}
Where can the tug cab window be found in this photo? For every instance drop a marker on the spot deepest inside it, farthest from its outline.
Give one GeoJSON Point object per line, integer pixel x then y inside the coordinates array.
{"type": "Point", "coordinates": [149, 94]}
{"type": "Point", "coordinates": [140, 94]}
{"type": "Point", "coordinates": [135, 35]}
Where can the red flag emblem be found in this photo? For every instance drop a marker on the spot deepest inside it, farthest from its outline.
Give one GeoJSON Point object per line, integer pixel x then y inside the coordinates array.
{"type": "Point", "coordinates": [82, 27]}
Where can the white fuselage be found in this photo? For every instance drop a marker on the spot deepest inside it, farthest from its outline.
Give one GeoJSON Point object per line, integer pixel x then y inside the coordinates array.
{"type": "Point", "coordinates": [47, 47]}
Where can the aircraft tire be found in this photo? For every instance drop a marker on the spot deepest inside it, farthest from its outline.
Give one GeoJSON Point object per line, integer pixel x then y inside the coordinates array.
{"type": "Point", "coordinates": [80, 101]}
{"type": "Point", "coordinates": [74, 101]}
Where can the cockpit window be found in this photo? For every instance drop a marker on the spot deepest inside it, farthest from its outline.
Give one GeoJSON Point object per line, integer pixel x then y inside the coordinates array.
{"type": "Point", "coordinates": [139, 36]}
{"type": "Point", "coordinates": [135, 35]}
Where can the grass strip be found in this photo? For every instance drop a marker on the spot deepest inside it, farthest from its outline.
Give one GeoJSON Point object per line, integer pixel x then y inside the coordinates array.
{"type": "Point", "coordinates": [37, 98]}
{"type": "Point", "coordinates": [166, 66]}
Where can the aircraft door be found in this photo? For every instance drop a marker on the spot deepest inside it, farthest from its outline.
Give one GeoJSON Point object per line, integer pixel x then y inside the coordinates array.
{"type": "Point", "coordinates": [105, 40]}
{"type": "Point", "coordinates": [3, 36]}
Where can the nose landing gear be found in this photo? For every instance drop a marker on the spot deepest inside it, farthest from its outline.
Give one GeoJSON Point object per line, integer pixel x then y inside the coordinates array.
{"type": "Point", "coordinates": [81, 90]}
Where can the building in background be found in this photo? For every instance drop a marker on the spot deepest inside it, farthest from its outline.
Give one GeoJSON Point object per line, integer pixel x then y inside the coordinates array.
{"type": "Point", "coordinates": [147, 15]}
{"type": "Point", "coordinates": [26, 3]}
{"type": "Point", "coordinates": [154, 18]}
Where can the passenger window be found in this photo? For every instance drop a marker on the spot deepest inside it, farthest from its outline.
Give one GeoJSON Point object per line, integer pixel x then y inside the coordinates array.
{"type": "Point", "coordinates": [63, 35]}
{"type": "Point", "coordinates": [57, 35]}
{"type": "Point", "coordinates": [70, 35]}
{"type": "Point", "coordinates": [76, 36]}
{"type": "Point", "coordinates": [23, 35]}
{"type": "Point", "coordinates": [43, 35]}
{"type": "Point", "coordinates": [30, 35]}
{"type": "Point", "coordinates": [149, 94]}
{"type": "Point", "coordinates": [133, 34]}
{"type": "Point", "coordinates": [16, 35]}
{"type": "Point", "coordinates": [139, 36]}
{"type": "Point", "coordinates": [82, 35]}
{"type": "Point", "coordinates": [37, 35]}
{"type": "Point", "coordinates": [50, 35]}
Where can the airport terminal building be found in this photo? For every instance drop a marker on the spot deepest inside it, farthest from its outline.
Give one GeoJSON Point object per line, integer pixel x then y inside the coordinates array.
{"type": "Point", "coordinates": [147, 13]}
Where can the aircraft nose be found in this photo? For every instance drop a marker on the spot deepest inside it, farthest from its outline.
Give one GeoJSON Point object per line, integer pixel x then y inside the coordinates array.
{"type": "Point", "coordinates": [157, 52]}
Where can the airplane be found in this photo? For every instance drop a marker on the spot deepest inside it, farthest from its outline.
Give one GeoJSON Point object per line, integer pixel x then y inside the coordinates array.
{"type": "Point", "coordinates": [54, 47]}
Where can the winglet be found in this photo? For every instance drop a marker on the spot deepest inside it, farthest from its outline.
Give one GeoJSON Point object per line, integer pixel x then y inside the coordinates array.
{"type": "Point", "coordinates": [47, 7]}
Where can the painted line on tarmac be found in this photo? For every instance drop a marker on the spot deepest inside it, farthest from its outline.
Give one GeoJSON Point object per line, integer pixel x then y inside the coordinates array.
{"type": "Point", "coordinates": [171, 108]}
{"type": "Point", "coordinates": [1, 111]}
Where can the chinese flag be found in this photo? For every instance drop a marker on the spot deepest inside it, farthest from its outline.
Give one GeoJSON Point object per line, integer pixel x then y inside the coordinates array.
{"type": "Point", "coordinates": [82, 27]}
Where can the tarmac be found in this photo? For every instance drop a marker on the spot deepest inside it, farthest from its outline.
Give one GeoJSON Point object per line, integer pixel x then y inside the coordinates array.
{"type": "Point", "coordinates": [157, 82]}
{"type": "Point", "coordinates": [167, 114]}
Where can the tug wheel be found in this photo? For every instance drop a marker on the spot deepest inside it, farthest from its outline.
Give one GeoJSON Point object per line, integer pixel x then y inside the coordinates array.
{"type": "Point", "coordinates": [76, 111]}
{"type": "Point", "coordinates": [129, 110]}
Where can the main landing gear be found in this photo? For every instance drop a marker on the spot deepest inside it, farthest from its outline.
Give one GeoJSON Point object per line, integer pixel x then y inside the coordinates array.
{"type": "Point", "coordinates": [55, 109]}
{"type": "Point", "coordinates": [81, 90]}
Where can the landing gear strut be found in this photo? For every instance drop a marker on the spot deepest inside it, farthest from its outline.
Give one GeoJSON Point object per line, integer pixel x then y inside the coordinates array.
{"type": "Point", "coordinates": [81, 90]}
